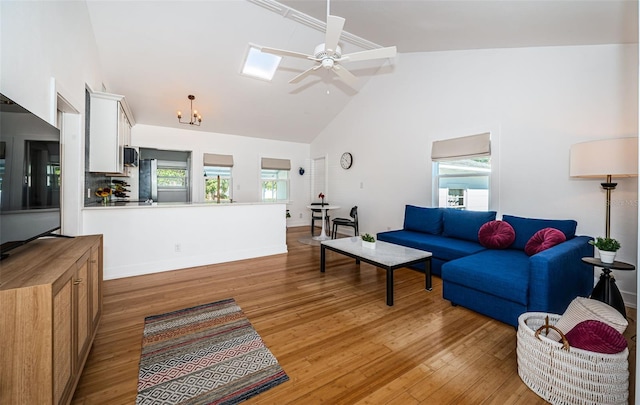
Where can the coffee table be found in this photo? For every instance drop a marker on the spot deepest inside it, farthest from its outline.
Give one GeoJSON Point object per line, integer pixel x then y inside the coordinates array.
{"type": "Point", "coordinates": [388, 256]}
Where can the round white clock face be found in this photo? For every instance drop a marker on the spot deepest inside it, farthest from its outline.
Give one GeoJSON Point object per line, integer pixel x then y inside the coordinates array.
{"type": "Point", "coordinates": [346, 160]}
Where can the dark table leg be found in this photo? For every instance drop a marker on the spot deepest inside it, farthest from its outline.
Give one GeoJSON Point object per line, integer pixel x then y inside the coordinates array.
{"type": "Point", "coordinates": [607, 291]}
{"type": "Point", "coordinates": [322, 258]}
{"type": "Point", "coordinates": [427, 274]}
{"type": "Point", "coordinates": [389, 287]}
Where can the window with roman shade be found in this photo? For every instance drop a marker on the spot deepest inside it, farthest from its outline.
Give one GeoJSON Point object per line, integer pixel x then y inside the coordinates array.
{"type": "Point", "coordinates": [461, 172]}
{"type": "Point", "coordinates": [218, 184]}
{"type": "Point", "coordinates": [274, 176]}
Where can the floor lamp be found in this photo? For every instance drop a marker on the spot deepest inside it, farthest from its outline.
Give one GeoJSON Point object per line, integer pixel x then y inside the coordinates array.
{"type": "Point", "coordinates": [607, 159]}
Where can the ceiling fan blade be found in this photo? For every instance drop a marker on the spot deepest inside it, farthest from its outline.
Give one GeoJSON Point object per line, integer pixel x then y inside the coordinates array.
{"type": "Point", "coordinates": [281, 52]}
{"type": "Point", "coordinates": [379, 53]}
{"type": "Point", "coordinates": [345, 75]}
{"type": "Point", "coordinates": [334, 30]}
{"type": "Point", "coordinates": [304, 74]}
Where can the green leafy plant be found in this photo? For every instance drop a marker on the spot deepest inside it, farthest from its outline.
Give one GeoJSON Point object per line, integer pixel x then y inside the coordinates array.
{"type": "Point", "coordinates": [606, 244]}
{"type": "Point", "coordinates": [368, 238]}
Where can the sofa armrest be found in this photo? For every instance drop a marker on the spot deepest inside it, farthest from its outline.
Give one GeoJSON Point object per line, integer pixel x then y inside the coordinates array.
{"type": "Point", "coordinates": [558, 275]}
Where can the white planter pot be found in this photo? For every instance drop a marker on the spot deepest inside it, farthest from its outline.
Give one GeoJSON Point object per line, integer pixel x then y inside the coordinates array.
{"type": "Point", "coordinates": [368, 245]}
{"type": "Point", "coordinates": [606, 256]}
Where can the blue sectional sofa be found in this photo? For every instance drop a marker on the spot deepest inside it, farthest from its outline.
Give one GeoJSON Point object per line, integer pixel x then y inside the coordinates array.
{"type": "Point", "coordinates": [499, 282]}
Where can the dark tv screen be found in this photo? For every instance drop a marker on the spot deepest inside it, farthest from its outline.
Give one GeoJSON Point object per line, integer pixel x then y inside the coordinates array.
{"type": "Point", "coordinates": [29, 176]}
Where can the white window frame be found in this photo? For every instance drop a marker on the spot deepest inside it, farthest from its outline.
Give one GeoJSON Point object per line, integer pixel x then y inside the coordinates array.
{"type": "Point", "coordinates": [457, 153]}
{"type": "Point", "coordinates": [437, 176]}
{"type": "Point", "coordinates": [266, 175]}
{"type": "Point", "coordinates": [171, 165]}
{"type": "Point", "coordinates": [222, 176]}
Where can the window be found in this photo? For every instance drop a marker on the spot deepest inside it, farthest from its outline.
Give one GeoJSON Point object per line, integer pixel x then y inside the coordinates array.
{"type": "Point", "coordinates": [260, 65]}
{"type": "Point", "coordinates": [274, 178]}
{"type": "Point", "coordinates": [275, 185]}
{"type": "Point", "coordinates": [172, 175]}
{"type": "Point", "coordinates": [461, 172]}
{"type": "Point", "coordinates": [463, 184]}
{"type": "Point", "coordinates": [217, 184]}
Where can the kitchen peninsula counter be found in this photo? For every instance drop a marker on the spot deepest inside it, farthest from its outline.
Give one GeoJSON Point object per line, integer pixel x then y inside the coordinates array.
{"type": "Point", "coordinates": [142, 238]}
{"type": "Point", "coordinates": [141, 204]}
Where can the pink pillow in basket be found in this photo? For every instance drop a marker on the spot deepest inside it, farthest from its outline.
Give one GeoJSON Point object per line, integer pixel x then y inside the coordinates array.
{"type": "Point", "coordinates": [596, 336]}
{"type": "Point", "coordinates": [496, 235]}
{"type": "Point", "coordinates": [543, 240]}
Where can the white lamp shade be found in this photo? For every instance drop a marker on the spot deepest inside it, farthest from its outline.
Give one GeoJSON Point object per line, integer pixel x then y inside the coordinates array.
{"type": "Point", "coordinates": [616, 157]}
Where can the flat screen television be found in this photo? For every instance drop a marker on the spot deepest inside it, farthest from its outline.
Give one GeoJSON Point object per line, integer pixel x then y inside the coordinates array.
{"type": "Point", "coordinates": [29, 176]}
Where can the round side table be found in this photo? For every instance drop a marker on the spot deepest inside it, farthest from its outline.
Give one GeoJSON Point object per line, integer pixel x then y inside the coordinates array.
{"type": "Point", "coordinates": [606, 289]}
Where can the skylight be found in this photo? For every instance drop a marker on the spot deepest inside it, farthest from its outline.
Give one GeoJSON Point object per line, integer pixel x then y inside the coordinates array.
{"type": "Point", "coordinates": [260, 65]}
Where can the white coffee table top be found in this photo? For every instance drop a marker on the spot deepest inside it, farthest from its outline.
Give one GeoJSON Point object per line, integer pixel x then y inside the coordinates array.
{"type": "Point", "coordinates": [387, 254]}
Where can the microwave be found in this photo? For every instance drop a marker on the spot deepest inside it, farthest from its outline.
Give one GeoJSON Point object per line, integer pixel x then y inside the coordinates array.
{"type": "Point", "coordinates": [130, 157]}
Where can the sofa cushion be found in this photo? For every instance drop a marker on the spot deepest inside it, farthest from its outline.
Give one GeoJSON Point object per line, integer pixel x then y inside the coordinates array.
{"type": "Point", "coordinates": [441, 247]}
{"type": "Point", "coordinates": [526, 227]}
{"type": "Point", "coordinates": [465, 224]}
{"type": "Point", "coordinates": [596, 336]}
{"type": "Point", "coordinates": [496, 235]}
{"type": "Point", "coordinates": [422, 219]}
{"type": "Point", "coordinates": [543, 240]}
{"type": "Point", "coordinates": [502, 273]}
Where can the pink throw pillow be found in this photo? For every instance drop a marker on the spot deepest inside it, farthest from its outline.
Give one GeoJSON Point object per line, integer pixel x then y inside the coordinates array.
{"type": "Point", "coordinates": [496, 235]}
{"type": "Point", "coordinates": [543, 240]}
{"type": "Point", "coordinates": [596, 336]}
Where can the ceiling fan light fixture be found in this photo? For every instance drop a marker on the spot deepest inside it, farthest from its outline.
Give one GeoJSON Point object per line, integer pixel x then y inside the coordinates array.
{"type": "Point", "coordinates": [194, 117]}
{"type": "Point", "coordinates": [328, 55]}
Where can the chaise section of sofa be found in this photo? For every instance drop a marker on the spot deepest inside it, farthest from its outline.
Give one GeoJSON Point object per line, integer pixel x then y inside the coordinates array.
{"type": "Point", "coordinates": [499, 282]}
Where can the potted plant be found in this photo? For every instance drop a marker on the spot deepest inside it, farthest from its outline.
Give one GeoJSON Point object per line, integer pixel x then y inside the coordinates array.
{"type": "Point", "coordinates": [321, 197]}
{"type": "Point", "coordinates": [368, 241]}
{"type": "Point", "coordinates": [607, 247]}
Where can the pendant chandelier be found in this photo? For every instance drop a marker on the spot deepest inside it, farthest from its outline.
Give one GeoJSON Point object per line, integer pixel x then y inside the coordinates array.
{"type": "Point", "coordinates": [194, 117]}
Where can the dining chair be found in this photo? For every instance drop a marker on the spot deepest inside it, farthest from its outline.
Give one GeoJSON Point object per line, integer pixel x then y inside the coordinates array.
{"type": "Point", "coordinates": [351, 222]}
{"type": "Point", "coordinates": [317, 215]}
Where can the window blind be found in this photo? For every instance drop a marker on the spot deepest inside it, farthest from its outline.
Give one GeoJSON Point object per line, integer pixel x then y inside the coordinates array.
{"type": "Point", "coordinates": [460, 148]}
{"type": "Point", "coordinates": [212, 159]}
{"type": "Point", "coordinates": [276, 164]}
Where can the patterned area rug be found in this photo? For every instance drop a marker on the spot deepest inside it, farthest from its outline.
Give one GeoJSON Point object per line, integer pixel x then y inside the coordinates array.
{"type": "Point", "coordinates": [209, 354]}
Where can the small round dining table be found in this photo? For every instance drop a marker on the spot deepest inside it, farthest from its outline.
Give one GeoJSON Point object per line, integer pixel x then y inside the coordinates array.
{"type": "Point", "coordinates": [323, 208]}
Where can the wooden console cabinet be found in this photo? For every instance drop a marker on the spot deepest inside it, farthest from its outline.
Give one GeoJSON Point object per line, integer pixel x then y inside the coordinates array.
{"type": "Point", "coordinates": [50, 307]}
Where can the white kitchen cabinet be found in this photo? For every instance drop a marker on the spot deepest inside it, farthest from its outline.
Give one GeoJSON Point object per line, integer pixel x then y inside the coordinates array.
{"type": "Point", "coordinates": [110, 122]}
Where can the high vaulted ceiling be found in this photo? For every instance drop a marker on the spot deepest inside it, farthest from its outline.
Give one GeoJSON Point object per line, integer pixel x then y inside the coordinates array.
{"type": "Point", "coordinates": [155, 53]}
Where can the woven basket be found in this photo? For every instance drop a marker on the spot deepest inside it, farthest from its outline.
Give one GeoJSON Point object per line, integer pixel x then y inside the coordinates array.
{"type": "Point", "coordinates": [572, 376]}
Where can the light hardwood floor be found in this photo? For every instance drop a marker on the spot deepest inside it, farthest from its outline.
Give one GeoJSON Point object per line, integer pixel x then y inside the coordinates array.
{"type": "Point", "coordinates": [332, 333]}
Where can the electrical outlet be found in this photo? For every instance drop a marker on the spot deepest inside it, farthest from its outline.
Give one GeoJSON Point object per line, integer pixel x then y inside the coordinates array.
{"type": "Point", "coordinates": [361, 185]}
{"type": "Point", "coordinates": [178, 248]}
{"type": "Point", "coordinates": [301, 215]}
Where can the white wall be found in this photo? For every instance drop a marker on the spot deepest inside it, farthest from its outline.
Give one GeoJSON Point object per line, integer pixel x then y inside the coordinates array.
{"type": "Point", "coordinates": [536, 102]}
{"type": "Point", "coordinates": [246, 158]}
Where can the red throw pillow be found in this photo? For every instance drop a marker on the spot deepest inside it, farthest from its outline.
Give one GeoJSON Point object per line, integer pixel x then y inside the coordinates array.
{"type": "Point", "coordinates": [543, 240]}
{"type": "Point", "coordinates": [596, 336]}
{"type": "Point", "coordinates": [496, 235]}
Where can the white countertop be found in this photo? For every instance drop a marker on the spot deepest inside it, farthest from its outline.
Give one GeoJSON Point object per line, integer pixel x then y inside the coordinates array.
{"type": "Point", "coordinates": [136, 205]}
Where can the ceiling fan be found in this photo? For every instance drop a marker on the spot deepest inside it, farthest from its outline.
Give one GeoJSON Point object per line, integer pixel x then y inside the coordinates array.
{"type": "Point", "coordinates": [329, 54]}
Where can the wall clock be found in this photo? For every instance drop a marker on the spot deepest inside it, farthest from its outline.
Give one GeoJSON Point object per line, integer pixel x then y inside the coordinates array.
{"type": "Point", "coordinates": [346, 160]}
